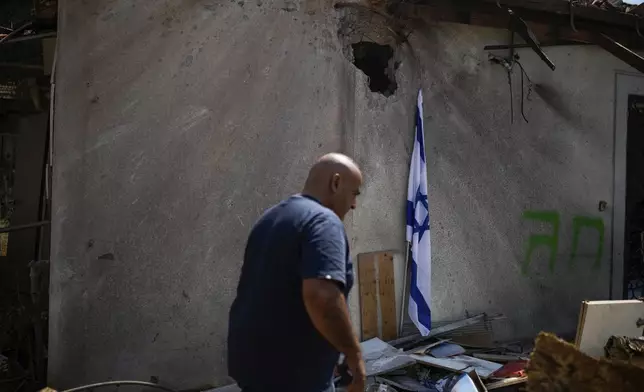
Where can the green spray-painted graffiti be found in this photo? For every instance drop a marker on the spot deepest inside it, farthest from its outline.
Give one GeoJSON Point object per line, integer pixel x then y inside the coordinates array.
{"type": "Point", "coordinates": [537, 240]}
{"type": "Point", "coordinates": [551, 241]}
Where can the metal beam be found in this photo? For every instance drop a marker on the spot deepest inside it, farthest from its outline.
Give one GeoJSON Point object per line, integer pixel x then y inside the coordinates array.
{"type": "Point", "coordinates": [543, 45]}
{"type": "Point", "coordinates": [20, 65]}
{"type": "Point", "coordinates": [520, 27]}
{"type": "Point", "coordinates": [552, 7]}
{"type": "Point", "coordinates": [30, 37]}
{"type": "Point", "coordinates": [417, 339]}
{"type": "Point", "coordinates": [539, 19]}
{"type": "Point", "coordinates": [620, 51]}
{"type": "Point", "coordinates": [15, 32]}
{"type": "Point", "coordinates": [23, 227]}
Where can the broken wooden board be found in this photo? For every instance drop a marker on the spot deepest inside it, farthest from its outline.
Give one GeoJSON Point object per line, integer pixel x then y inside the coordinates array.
{"type": "Point", "coordinates": [461, 364]}
{"type": "Point", "coordinates": [558, 366]}
{"type": "Point", "coordinates": [368, 300]}
{"type": "Point", "coordinates": [387, 286]}
{"type": "Point", "coordinates": [377, 287]}
{"type": "Point", "coordinates": [599, 320]}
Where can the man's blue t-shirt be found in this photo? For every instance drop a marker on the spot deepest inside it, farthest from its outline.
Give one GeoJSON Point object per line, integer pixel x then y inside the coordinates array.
{"type": "Point", "coordinates": [272, 343]}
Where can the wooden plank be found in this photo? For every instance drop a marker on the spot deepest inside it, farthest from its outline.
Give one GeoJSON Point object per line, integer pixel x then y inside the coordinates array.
{"type": "Point", "coordinates": [603, 319]}
{"type": "Point", "coordinates": [368, 292]}
{"type": "Point", "coordinates": [387, 289]}
{"type": "Point", "coordinates": [581, 322]}
{"type": "Point", "coordinates": [620, 51]}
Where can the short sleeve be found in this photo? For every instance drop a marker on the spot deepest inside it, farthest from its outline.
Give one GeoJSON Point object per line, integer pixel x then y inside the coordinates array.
{"type": "Point", "coordinates": [324, 250]}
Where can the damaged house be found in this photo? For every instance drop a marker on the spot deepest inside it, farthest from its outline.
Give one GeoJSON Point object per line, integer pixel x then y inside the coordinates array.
{"type": "Point", "coordinates": [176, 123]}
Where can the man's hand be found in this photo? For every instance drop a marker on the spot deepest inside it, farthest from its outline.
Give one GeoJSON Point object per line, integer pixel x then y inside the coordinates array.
{"type": "Point", "coordinates": [358, 372]}
{"type": "Point", "coordinates": [327, 307]}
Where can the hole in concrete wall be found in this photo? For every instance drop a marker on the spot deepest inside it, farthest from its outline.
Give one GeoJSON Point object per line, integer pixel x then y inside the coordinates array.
{"type": "Point", "coordinates": [375, 61]}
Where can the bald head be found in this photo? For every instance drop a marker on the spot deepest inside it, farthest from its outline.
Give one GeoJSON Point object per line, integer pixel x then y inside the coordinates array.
{"type": "Point", "coordinates": [334, 180]}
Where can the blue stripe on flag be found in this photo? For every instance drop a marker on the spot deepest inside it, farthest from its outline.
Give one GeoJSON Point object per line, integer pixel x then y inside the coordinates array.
{"type": "Point", "coordinates": [410, 213]}
{"type": "Point", "coordinates": [424, 313]}
{"type": "Point", "coordinates": [419, 134]}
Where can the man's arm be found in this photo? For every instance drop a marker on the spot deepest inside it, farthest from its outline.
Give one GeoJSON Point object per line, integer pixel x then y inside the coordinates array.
{"type": "Point", "coordinates": [323, 273]}
{"type": "Point", "coordinates": [327, 308]}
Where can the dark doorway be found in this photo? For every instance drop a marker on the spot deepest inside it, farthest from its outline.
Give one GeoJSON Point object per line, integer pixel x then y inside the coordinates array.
{"type": "Point", "coordinates": [27, 28]}
{"type": "Point", "coordinates": [634, 230]}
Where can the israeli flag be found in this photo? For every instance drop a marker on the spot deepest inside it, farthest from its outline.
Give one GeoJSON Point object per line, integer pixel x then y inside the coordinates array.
{"type": "Point", "coordinates": [420, 289]}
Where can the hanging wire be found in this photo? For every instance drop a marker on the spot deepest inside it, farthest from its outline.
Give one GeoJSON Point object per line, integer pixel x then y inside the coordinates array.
{"type": "Point", "coordinates": [522, 112]}
{"type": "Point", "coordinates": [511, 97]}
{"type": "Point", "coordinates": [509, 67]}
{"type": "Point", "coordinates": [524, 74]}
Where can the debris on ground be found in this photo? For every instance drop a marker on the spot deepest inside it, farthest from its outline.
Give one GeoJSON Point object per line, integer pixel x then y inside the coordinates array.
{"type": "Point", "coordinates": [462, 356]}
{"type": "Point", "coordinates": [450, 360]}
{"type": "Point", "coordinates": [556, 365]}
{"type": "Point", "coordinates": [627, 349]}
{"type": "Point", "coordinates": [455, 357]}
{"type": "Point", "coordinates": [381, 357]}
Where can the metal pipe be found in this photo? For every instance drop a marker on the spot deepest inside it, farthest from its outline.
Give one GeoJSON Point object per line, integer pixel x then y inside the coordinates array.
{"type": "Point", "coordinates": [523, 46]}
{"type": "Point", "coordinates": [31, 37]}
{"type": "Point", "coordinates": [24, 227]}
{"type": "Point", "coordinates": [111, 383]}
{"type": "Point", "coordinates": [23, 66]}
{"type": "Point", "coordinates": [16, 31]}
{"type": "Point", "coordinates": [404, 291]}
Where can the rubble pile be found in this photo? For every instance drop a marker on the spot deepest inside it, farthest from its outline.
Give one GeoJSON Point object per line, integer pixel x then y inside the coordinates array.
{"type": "Point", "coordinates": [607, 355]}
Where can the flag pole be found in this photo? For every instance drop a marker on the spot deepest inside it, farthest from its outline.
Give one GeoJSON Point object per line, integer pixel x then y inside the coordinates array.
{"type": "Point", "coordinates": [404, 290]}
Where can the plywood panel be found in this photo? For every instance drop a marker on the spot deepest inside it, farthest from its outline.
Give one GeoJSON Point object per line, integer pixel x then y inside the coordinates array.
{"type": "Point", "coordinates": [387, 290]}
{"type": "Point", "coordinates": [599, 320]}
{"type": "Point", "coordinates": [368, 292]}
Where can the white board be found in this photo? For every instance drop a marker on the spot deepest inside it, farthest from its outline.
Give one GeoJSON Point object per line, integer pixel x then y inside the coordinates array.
{"type": "Point", "coordinates": [599, 320]}
{"type": "Point", "coordinates": [380, 357]}
{"type": "Point", "coordinates": [461, 363]}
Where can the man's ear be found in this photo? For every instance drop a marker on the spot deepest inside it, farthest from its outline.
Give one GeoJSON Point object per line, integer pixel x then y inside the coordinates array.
{"type": "Point", "coordinates": [335, 183]}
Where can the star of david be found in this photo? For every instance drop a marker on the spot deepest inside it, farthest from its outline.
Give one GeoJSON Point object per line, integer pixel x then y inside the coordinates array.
{"type": "Point", "coordinates": [418, 227]}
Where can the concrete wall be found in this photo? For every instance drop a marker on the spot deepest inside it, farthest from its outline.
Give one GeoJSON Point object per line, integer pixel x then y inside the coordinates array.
{"type": "Point", "coordinates": [179, 121]}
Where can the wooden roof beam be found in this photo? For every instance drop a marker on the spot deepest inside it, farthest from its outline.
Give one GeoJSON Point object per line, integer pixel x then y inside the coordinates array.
{"type": "Point", "coordinates": [551, 7]}
{"type": "Point", "coordinates": [548, 27]}
{"type": "Point", "coordinates": [620, 51]}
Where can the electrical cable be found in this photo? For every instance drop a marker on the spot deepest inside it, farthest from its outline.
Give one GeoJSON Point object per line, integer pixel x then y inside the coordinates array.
{"type": "Point", "coordinates": [111, 383]}
{"type": "Point", "coordinates": [511, 97]}
{"type": "Point", "coordinates": [524, 73]}
{"type": "Point", "coordinates": [522, 112]}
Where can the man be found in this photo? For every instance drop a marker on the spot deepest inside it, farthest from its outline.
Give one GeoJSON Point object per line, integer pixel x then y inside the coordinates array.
{"type": "Point", "coordinates": [290, 319]}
